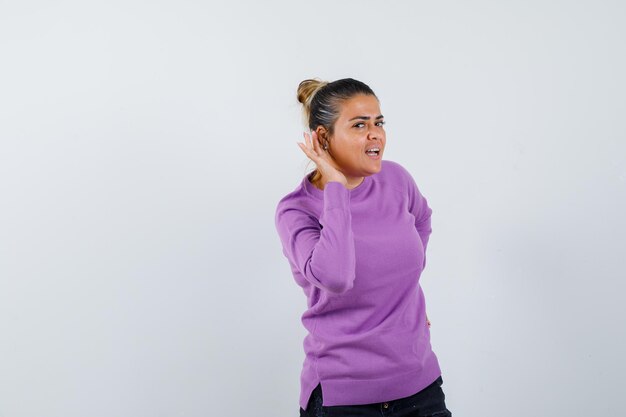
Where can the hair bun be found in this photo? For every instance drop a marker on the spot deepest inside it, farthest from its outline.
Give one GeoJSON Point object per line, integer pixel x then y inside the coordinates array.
{"type": "Point", "coordinates": [308, 88]}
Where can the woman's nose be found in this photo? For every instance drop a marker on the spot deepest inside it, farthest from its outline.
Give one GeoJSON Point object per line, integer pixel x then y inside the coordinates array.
{"type": "Point", "coordinates": [373, 133]}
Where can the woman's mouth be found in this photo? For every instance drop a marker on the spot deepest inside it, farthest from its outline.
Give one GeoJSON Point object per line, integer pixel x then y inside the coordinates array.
{"type": "Point", "coordinates": [373, 152]}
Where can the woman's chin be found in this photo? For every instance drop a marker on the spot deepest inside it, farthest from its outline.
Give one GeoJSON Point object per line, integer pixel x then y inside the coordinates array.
{"type": "Point", "coordinates": [377, 166]}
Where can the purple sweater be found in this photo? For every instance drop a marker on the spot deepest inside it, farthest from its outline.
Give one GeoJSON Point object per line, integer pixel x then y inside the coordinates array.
{"type": "Point", "coordinates": [358, 255]}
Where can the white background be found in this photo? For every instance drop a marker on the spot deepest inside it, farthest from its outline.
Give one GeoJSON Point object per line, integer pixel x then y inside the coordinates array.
{"type": "Point", "coordinates": [145, 144]}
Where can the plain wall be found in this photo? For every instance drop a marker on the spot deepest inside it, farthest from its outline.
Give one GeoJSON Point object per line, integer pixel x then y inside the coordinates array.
{"type": "Point", "coordinates": [144, 146]}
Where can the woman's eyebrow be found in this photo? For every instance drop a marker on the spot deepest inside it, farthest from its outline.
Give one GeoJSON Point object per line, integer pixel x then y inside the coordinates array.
{"type": "Point", "coordinates": [365, 117]}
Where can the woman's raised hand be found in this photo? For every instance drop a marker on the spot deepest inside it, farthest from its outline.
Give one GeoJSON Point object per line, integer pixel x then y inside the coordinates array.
{"type": "Point", "coordinates": [317, 154]}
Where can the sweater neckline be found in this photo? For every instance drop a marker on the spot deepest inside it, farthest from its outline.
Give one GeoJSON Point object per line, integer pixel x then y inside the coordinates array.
{"type": "Point", "coordinates": [319, 194]}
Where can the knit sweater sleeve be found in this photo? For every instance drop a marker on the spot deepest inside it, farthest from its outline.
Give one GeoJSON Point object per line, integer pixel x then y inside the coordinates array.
{"type": "Point", "coordinates": [321, 249]}
{"type": "Point", "coordinates": [418, 206]}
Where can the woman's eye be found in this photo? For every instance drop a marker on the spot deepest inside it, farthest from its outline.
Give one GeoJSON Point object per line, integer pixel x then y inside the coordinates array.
{"type": "Point", "coordinates": [361, 124]}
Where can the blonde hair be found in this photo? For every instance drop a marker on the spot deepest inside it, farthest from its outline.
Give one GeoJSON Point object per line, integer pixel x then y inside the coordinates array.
{"type": "Point", "coordinates": [306, 91]}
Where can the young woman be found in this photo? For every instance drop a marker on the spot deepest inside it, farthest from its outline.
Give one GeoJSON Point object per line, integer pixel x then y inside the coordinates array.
{"type": "Point", "coordinates": [355, 233]}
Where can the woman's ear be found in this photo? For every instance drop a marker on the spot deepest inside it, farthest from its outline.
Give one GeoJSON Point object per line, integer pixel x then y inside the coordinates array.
{"type": "Point", "coordinates": [322, 136]}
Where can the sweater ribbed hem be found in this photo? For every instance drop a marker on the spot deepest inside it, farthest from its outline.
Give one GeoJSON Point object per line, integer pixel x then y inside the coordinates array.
{"type": "Point", "coordinates": [385, 388]}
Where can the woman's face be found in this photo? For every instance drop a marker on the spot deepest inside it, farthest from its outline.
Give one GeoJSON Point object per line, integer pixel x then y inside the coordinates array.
{"type": "Point", "coordinates": [358, 129]}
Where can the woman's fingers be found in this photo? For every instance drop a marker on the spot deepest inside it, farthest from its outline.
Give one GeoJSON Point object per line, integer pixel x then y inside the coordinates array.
{"type": "Point", "coordinates": [317, 147]}
{"type": "Point", "coordinates": [315, 143]}
{"type": "Point", "coordinates": [310, 146]}
{"type": "Point", "coordinates": [313, 149]}
{"type": "Point", "coordinates": [305, 146]}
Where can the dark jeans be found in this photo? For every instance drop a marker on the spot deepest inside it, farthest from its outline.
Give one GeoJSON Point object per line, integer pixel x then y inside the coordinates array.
{"type": "Point", "coordinates": [429, 402]}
